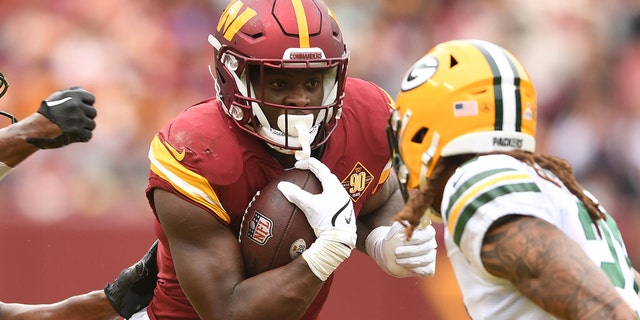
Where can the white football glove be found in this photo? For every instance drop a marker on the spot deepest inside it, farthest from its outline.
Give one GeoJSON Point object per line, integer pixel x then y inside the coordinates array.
{"type": "Point", "coordinates": [331, 216]}
{"type": "Point", "coordinates": [387, 245]}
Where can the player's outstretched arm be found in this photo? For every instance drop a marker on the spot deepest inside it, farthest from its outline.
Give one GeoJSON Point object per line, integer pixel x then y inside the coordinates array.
{"type": "Point", "coordinates": [551, 270]}
{"type": "Point", "coordinates": [131, 291]}
{"type": "Point", "coordinates": [65, 117]}
{"type": "Point", "coordinates": [133, 288]}
{"type": "Point", "coordinates": [90, 306]}
{"type": "Point", "coordinates": [14, 147]}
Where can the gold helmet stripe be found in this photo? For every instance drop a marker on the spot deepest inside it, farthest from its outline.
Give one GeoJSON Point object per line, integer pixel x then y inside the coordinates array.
{"type": "Point", "coordinates": [303, 27]}
{"type": "Point", "coordinates": [506, 86]}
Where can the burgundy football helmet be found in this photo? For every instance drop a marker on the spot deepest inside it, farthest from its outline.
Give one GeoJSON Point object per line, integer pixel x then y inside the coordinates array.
{"type": "Point", "coordinates": [299, 34]}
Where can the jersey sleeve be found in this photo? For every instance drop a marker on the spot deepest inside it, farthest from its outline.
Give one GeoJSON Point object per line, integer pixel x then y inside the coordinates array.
{"type": "Point", "coordinates": [386, 171]}
{"type": "Point", "coordinates": [482, 192]}
{"type": "Point", "coordinates": [367, 117]}
{"type": "Point", "coordinates": [188, 156]}
{"type": "Point", "coordinates": [166, 162]}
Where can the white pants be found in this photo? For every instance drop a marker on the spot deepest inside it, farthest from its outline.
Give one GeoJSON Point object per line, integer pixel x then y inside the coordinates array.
{"type": "Point", "coordinates": [140, 315]}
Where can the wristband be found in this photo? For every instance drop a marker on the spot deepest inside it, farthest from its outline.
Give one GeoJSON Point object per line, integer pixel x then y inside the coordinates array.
{"type": "Point", "coordinates": [324, 256]}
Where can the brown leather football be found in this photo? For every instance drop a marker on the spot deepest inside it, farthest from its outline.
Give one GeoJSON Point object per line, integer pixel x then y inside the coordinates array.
{"type": "Point", "coordinates": [274, 231]}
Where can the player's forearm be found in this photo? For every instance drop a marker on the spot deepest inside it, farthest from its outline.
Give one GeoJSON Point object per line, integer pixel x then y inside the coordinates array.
{"type": "Point", "coordinates": [14, 147]}
{"type": "Point", "coordinates": [274, 289]}
{"type": "Point", "coordinates": [551, 270]}
{"type": "Point", "coordinates": [90, 306]}
{"type": "Point", "coordinates": [379, 210]}
{"type": "Point", "coordinates": [281, 293]}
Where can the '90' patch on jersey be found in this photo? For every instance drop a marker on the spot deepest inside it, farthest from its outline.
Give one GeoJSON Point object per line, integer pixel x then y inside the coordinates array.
{"type": "Point", "coordinates": [357, 181]}
{"type": "Point", "coordinates": [260, 228]}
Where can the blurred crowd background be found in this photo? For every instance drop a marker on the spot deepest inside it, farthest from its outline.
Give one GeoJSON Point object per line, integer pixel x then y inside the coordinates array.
{"type": "Point", "coordinates": [147, 60]}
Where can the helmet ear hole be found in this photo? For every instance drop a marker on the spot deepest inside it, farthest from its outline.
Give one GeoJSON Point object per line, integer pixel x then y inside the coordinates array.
{"type": "Point", "coordinates": [419, 136]}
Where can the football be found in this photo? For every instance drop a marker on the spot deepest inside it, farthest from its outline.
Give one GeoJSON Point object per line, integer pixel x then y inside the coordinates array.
{"type": "Point", "coordinates": [274, 231]}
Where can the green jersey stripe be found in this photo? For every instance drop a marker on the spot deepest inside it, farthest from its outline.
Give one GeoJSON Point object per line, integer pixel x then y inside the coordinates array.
{"type": "Point", "coordinates": [469, 210]}
{"type": "Point", "coordinates": [468, 184]}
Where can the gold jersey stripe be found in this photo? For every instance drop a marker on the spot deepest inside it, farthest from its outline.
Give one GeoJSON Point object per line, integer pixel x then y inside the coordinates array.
{"type": "Point", "coordinates": [187, 182]}
{"type": "Point", "coordinates": [463, 201]}
{"type": "Point", "coordinates": [383, 177]}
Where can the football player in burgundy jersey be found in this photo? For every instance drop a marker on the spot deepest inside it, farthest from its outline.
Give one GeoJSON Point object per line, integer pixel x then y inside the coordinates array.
{"type": "Point", "coordinates": [283, 100]}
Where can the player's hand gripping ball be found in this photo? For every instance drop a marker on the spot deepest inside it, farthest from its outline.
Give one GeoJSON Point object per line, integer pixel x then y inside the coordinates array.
{"type": "Point", "coordinates": [274, 231]}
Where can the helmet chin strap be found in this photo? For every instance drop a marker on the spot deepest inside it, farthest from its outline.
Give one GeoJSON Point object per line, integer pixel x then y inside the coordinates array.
{"type": "Point", "coordinates": [426, 159]}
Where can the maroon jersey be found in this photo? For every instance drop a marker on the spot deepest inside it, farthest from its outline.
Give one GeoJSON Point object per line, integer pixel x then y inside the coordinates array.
{"type": "Point", "coordinates": [207, 160]}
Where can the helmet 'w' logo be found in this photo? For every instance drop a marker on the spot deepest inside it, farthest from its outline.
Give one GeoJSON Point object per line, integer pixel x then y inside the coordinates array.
{"type": "Point", "coordinates": [232, 19]}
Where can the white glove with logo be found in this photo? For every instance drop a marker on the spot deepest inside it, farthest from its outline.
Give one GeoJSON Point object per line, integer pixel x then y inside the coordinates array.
{"type": "Point", "coordinates": [399, 257]}
{"type": "Point", "coordinates": [331, 216]}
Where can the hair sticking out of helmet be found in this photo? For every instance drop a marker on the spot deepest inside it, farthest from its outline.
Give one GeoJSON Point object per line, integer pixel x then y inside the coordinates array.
{"type": "Point", "coordinates": [462, 97]}
{"type": "Point", "coordinates": [257, 36]}
{"type": "Point", "coordinates": [4, 86]}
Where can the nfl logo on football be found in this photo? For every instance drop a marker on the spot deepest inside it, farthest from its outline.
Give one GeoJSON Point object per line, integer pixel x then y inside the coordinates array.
{"type": "Point", "coordinates": [260, 228]}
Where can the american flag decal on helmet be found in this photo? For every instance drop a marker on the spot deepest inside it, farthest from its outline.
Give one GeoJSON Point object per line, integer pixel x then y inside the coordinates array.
{"type": "Point", "coordinates": [465, 108]}
{"type": "Point", "coordinates": [260, 228]}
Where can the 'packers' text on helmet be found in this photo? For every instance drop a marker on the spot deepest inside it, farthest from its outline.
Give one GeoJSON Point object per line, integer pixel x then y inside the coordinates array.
{"type": "Point", "coordinates": [462, 97]}
{"type": "Point", "coordinates": [253, 35]}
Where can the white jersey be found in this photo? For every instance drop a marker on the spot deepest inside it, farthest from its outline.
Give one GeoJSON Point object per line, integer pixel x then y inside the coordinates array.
{"type": "Point", "coordinates": [489, 187]}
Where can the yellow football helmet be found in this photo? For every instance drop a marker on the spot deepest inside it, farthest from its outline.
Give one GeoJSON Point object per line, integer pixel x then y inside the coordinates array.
{"type": "Point", "coordinates": [463, 96]}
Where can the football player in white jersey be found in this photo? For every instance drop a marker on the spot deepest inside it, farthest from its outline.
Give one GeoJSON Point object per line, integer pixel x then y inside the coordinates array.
{"type": "Point", "coordinates": [526, 241]}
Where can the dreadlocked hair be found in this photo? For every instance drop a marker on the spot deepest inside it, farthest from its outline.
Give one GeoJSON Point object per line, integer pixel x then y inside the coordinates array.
{"type": "Point", "coordinates": [423, 200]}
{"type": "Point", "coordinates": [414, 209]}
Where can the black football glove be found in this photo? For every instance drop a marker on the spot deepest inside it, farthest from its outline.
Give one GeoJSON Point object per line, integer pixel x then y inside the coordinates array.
{"type": "Point", "coordinates": [72, 110]}
{"type": "Point", "coordinates": [133, 289]}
